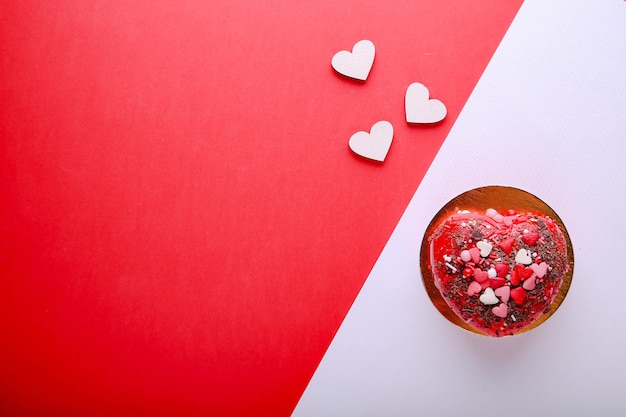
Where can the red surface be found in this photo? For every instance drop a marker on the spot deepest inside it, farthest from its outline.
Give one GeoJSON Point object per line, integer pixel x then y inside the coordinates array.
{"type": "Point", "coordinates": [182, 224]}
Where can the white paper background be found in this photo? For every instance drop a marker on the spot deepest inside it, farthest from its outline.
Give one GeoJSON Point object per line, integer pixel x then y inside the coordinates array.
{"type": "Point", "coordinates": [548, 116]}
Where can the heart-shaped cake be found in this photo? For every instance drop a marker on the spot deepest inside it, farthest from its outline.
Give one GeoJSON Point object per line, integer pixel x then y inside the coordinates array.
{"type": "Point", "coordinates": [499, 273]}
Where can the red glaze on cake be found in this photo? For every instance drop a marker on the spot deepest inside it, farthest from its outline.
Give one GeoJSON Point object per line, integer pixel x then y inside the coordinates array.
{"type": "Point", "coordinates": [498, 272]}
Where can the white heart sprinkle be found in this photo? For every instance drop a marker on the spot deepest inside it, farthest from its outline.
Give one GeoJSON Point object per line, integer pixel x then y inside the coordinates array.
{"type": "Point", "coordinates": [492, 273]}
{"type": "Point", "coordinates": [489, 297]}
{"type": "Point", "coordinates": [523, 257]}
{"type": "Point", "coordinates": [485, 248]}
{"type": "Point", "coordinates": [418, 107]}
{"type": "Point", "coordinates": [373, 145]}
{"type": "Point", "coordinates": [356, 64]}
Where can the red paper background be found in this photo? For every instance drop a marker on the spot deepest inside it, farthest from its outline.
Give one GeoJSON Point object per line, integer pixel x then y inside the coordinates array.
{"type": "Point", "coordinates": [182, 224]}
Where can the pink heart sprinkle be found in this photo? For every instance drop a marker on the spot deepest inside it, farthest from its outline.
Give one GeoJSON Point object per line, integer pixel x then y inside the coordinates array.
{"type": "Point", "coordinates": [540, 269]}
{"type": "Point", "coordinates": [508, 220]}
{"type": "Point", "coordinates": [475, 254]}
{"type": "Point", "coordinates": [473, 289]}
{"type": "Point", "coordinates": [501, 311]}
{"type": "Point", "coordinates": [480, 275]}
{"type": "Point", "coordinates": [504, 293]}
{"type": "Point", "coordinates": [529, 284]}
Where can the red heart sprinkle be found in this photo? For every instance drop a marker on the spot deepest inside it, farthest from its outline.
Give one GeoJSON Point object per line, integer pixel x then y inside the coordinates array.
{"type": "Point", "coordinates": [518, 295]}
{"type": "Point", "coordinates": [496, 282]}
{"type": "Point", "coordinates": [523, 272]}
{"type": "Point", "coordinates": [526, 273]}
{"type": "Point", "coordinates": [502, 270]}
{"type": "Point", "coordinates": [507, 245]}
{"type": "Point", "coordinates": [515, 279]}
{"type": "Point", "coordinates": [530, 238]}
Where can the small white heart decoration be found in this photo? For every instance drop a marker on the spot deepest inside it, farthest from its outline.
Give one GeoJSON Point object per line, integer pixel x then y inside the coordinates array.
{"type": "Point", "coordinates": [373, 145]}
{"type": "Point", "coordinates": [356, 64]}
{"type": "Point", "coordinates": [523, 257]}
{"type": "Point", "coordinates": [489, 297]}
{"type": "Point", "coordinates": [485, 248]}
{"type": "Point", "coordinates": [419, 108]}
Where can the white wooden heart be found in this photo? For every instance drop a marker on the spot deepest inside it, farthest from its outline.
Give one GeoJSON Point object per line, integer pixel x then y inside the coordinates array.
{"type": "Point", "coordinates": [419, 108]}
{"type": "Point", "coordinates": [375, 144]}
{"type": "Point", "coordinates": [356, 64]}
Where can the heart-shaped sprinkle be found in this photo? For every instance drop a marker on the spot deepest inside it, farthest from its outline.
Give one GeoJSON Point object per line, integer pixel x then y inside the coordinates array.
{"type": "Point", "coordinates": [480, 275]}
{"type": "Point", "coordinates": [501, 270]}
{"type": "Point", "coordinates": [518, 295]}
{"type": "Point", "coordinates": [519, 273]}
{"type": "Point", "coordinates": [491, 272]}
{"type": "Point", "coordinates": [507, 245]}
{"type": "Point", "coordinates": [496, 282]}
{"type": "Point", "coordinates": [515, 278]}
{"type": "Point", "coordinates": [501, 311]}
{"type": "Point", "coordinates": [489, 297]}
{"type": "Point", "coordinates": [356, 64]}
{"type": "Point", "coordinates": [473, 288]}
{"type": "Point", "coordinates": [373, 145]}
{"type": "Point", "coordinates": [475, 254]}
{"type": "Point", "coordinates": [485, 248]}
{"type": "Point", "coordinates": [530, 238]}
{"type": "Point", "coordinates": [523, 272]}
{"type": "Point", "coordinates": [504, 293]}
{"type": "Point", "coordinates": [530, 284]}
{"type": "Point", "coordinates": [508, 220]}
{"type": "Point", "coordinates": [419, 108]}
{"type": "Point", "coordinates": [540, 269]}
{"type": "Point", "coordinates": [523, 257]}
{"type": "Point", "coordinates": [465, 256]}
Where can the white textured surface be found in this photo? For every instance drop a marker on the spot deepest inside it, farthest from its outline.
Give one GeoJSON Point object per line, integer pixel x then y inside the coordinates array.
{"type": "Point", "coordinates": [548, 116]}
